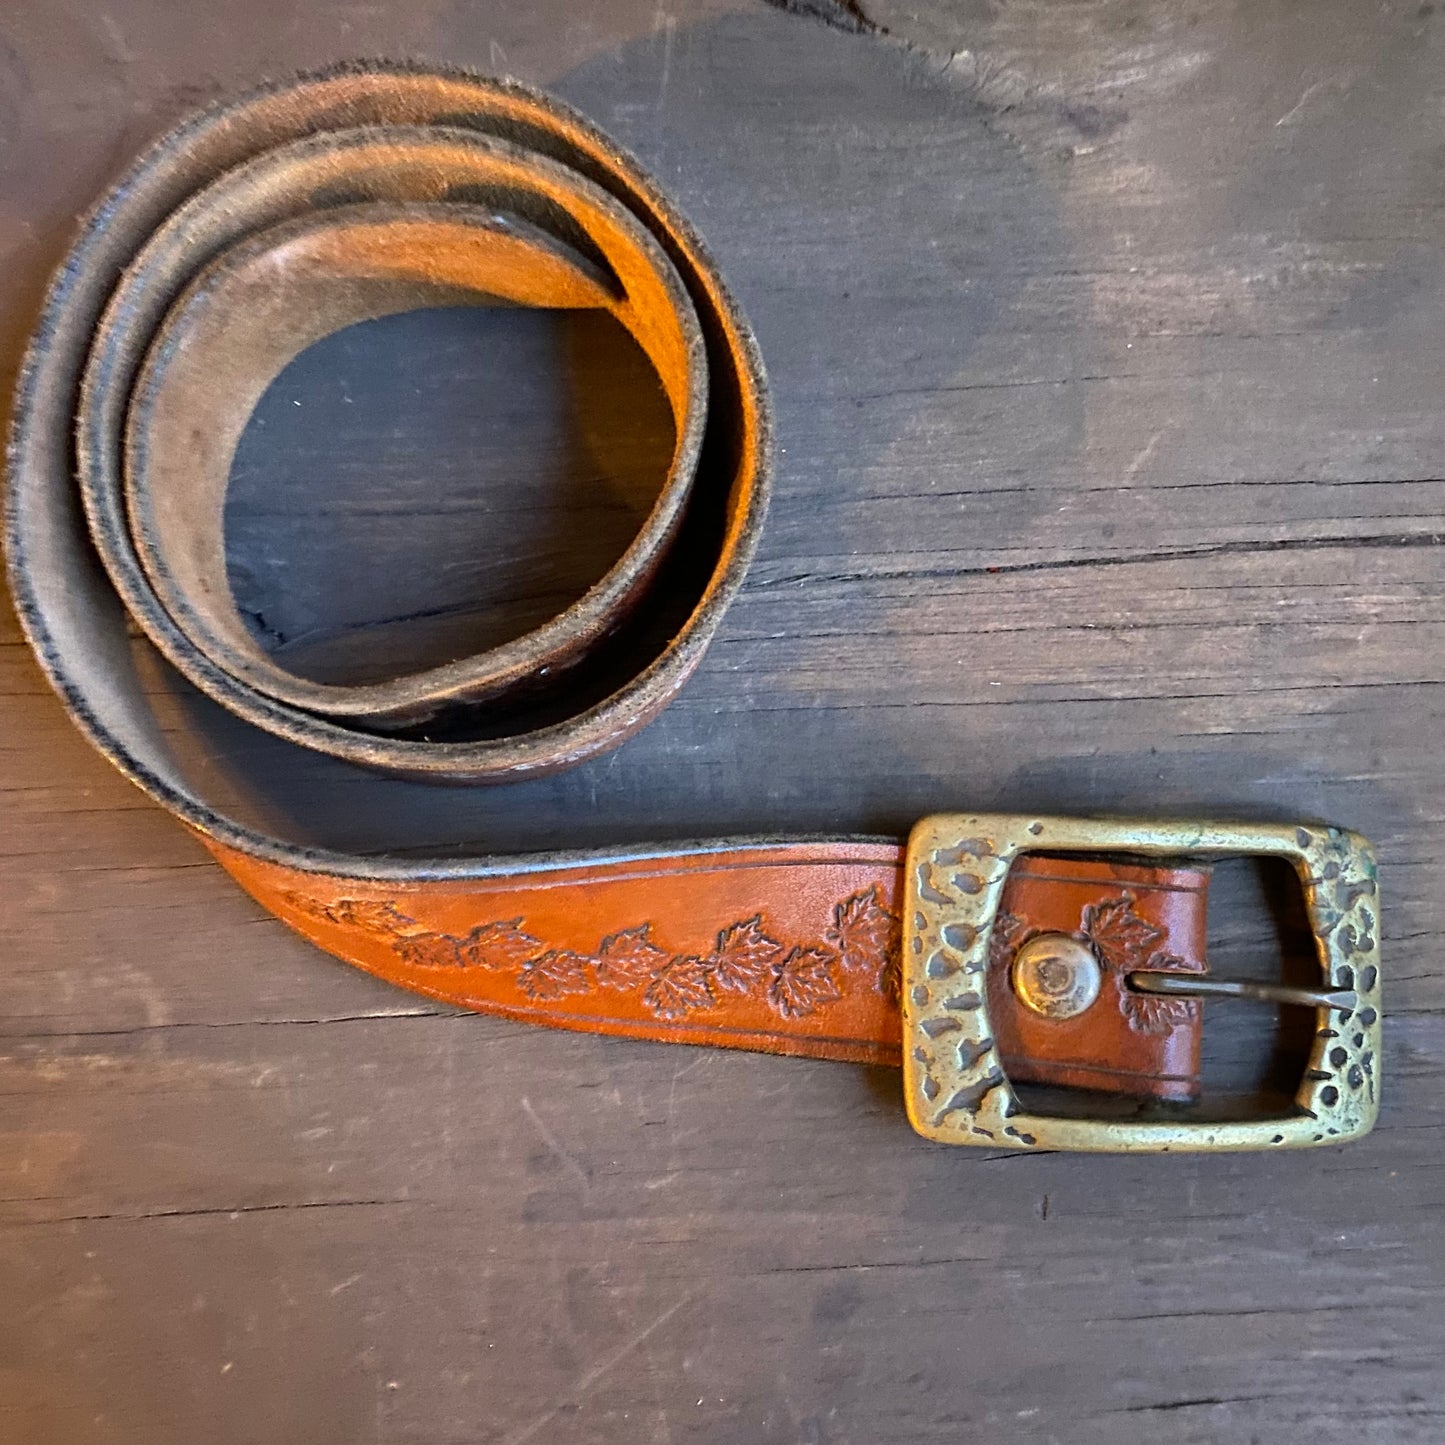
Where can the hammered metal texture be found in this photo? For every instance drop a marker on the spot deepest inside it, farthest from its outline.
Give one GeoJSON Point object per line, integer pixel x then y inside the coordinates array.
{"type": "Point", "coordinates": [954, 1084]}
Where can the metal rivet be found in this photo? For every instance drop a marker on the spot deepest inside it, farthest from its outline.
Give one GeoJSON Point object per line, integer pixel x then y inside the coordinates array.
{"type": "Point", "coordinates": [1056, 976]}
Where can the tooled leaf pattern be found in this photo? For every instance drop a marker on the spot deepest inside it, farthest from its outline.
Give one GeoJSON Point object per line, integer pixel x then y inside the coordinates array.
{"type": "Point", "coordinates": [793, 980]}
{"type": "Point", "coordinates": [744, 955]}
{"type": "Point", "coordinates": [1155, 1013]}
{"type": "Point", "coordinates": [427, 950]}
{"type": "Point", "coordinates": [1123, 939]}
{"type": "Point", "coordinates": [374, 915]}
{"type": "Point", "coordinates": [1148, 1013]}
{"type": "Point", "coordinates": [1008, 935]}
{"type": "Point", "coordinates": [629, 959]}
{"type": "Point", "coordinates": [1125, 942]}
{"type": "Point", "coordinates": [802, 981]}
{"type": "Point", "coordinates": [865, 936]}
{"type": "Point", "coordinates": [679, 986]}
{"type": "Point", "coordinates": [557, 972]}
{"type": "Point", "coordinates": [497, 945]}
{"type": "Point", "coordinates": [368, 913]}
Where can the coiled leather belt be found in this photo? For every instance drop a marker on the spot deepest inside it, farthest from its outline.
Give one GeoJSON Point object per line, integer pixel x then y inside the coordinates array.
{"type": "Point", "coordinates": [993, 952]}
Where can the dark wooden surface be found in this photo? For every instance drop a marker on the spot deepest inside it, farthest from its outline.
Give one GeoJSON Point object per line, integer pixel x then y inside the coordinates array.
{"type": "Point", "coordinates": [1106, 344]}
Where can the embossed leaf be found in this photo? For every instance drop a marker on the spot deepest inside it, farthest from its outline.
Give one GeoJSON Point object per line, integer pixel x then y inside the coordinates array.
{"type": "Point", "coordinates": [744, 955]}
{"type": "Point", "coordinates": [498, 945]}
{"type": "Point", "coordinates": [303, 904]}
{"type": "Point", "coordinates": [379, 916]}
{"type": "Point", "coordinates": [802, 981]}
{"type": "Point", "coordinates": [679, 986]}
{"type": "Point", "coordinates": [555, 973]}
{"type": "Point", "coordinates": [374, 915]}
{"type": "Point", "coordinates": [1121, 936]}
{"type": "Point", "coordinates": [1009, 934]}
{"type": "Point", "coordinates": [864, 932]}
{"type": "Point", "coordinates": [427, 950]}
{"type": "Point", "coordinates": [1150, 1013]}
{"type": "Point", "coordinates": [1172, 963]}
{"type": "Point", "coordinates": [1155, 1013]}
{"type": "Point", "coordinates": [628, 959]}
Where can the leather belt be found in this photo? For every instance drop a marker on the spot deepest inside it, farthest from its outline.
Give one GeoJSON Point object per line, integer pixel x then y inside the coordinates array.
{"type": "Point", "coordinates": [990, 954]}
{"type": "Point", "coordinates": [253, 230]}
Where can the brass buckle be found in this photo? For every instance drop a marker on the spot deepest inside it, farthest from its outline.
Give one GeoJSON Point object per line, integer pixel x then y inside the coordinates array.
{"type": "Point", "coordinates": [954, 1085]}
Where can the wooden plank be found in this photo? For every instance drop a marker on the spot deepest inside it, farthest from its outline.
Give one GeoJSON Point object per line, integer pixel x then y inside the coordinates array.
{"type": "Point", "coordinates": [1104, 341]}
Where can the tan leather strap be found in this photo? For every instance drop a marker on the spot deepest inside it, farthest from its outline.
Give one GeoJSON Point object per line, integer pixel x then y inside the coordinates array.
{"type": "Point", "coordinates": [789, 949]}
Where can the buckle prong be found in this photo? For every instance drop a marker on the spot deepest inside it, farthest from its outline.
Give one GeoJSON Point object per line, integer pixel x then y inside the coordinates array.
{"type": "Point", "coordinates": [1196, 986]}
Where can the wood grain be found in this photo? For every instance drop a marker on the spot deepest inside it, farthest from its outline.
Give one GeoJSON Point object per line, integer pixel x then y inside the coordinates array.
{"type": "Point", "coordinates": [1105, 346]}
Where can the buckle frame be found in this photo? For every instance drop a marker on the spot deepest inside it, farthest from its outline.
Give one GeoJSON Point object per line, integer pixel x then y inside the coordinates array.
{"type": "Point", "coordinates": [954, 1086]}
